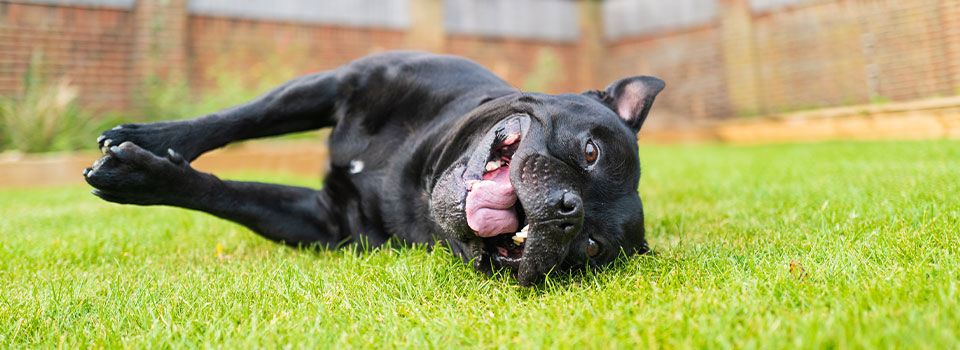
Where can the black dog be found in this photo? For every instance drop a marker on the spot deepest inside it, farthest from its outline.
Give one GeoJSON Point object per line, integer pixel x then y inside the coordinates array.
{"type": "Point", "coordinates": [424, 147]}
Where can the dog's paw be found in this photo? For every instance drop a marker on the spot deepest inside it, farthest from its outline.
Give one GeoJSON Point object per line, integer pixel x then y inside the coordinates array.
{"type": "Point", "coordinates": [156, 138]}
{"type": "Point", "coordinates": [130, 174]}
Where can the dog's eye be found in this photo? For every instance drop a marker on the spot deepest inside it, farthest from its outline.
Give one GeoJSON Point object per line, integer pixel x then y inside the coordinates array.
{"type": "Point", "coordinates": [592, 247]}
{"type": "Point", "coordinates": [590, 152]}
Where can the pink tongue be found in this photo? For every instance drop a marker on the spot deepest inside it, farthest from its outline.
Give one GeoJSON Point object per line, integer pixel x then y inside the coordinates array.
{"type": "Point", "coordinates": [490, 204]}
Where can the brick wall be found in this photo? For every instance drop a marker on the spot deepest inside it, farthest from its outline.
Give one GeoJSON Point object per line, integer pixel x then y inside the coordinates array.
{"type": "Point", "coordinates": [691, 62]}
{"type": "Point", "coordinates": [238, 46]}
{"type": "Point", "coordinates": [907, 56]}
{"type": "Point", "coordinates": [90, 46]}
{"type": "Point", "coordinates": [244, 46]}
{"type": "Point", "coordinates": [159, 30]}
{"type": "Point", "coordinates": [840, 52]}
{"type": "Point", "coordinates": [802, 55]}
{"type": "Point", "coordinates": [109, 52]}
{"type": "Point", "coordinates": [515, 60]}
{"type": "Point", "coordinates": [746, 60]}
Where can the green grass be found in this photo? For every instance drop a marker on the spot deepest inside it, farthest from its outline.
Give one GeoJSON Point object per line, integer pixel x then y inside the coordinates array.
{"type": "Point", "coordinates": [874, 227]}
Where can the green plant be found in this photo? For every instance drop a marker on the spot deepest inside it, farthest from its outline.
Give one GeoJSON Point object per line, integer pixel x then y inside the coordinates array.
{"type": "Point", "coordinates": [176, 98]}
{"type": "Point", "coordinates": [544, 72]}
{"type": "Point", "coordinates": [749, 113]}
{"type": "Point", "coordinates": [3, 129]}
{"type": "Point", "coordinates": [45, 116]}
{"type": "Point", "coordinates": [879, 100]}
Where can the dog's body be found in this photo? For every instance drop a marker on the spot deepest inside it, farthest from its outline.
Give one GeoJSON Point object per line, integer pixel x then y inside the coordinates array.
{"type": "Point", "coordinates": [424, 147]}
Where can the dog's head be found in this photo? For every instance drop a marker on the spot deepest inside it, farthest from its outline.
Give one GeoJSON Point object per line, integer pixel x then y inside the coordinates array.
{"type": "Point", "coordinates": [540, 182]}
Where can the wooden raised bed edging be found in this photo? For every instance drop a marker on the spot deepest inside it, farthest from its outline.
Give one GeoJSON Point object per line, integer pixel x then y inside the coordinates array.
{"type": "Point", "coordinates": [927, 119]}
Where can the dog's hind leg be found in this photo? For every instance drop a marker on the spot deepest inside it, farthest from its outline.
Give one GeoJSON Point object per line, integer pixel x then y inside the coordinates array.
{"type": "Point", "coordinates": [130, 174]}
{"type": "Point", "coordinates": [301, 104]}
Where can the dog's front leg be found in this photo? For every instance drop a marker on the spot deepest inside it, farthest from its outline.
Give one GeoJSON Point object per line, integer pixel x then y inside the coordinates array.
{"type": "Point", "coordinates": [301, 104]}
{"type": "Point", "coordinates": [130, 174]}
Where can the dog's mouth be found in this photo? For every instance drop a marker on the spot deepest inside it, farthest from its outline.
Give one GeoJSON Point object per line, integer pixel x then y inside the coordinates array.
{"type": "Point", "coordinates": [493, 210]}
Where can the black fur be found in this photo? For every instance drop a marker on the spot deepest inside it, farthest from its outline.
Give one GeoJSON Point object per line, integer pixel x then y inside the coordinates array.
{"type": "Point", "coordinates": [417, 124]}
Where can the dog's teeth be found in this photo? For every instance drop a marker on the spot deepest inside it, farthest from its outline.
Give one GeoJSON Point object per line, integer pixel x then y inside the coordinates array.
{"type": "Point", "coordinates": [492, 165]}
{"type": "Point", "coordinates": [520, 237]}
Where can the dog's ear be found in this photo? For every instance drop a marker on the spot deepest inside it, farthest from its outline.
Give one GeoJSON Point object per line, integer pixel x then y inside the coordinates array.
{"type": "Point", "coordinates": [630, 98]}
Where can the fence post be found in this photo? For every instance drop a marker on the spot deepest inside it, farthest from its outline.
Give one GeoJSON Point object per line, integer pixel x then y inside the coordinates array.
{"type": "Point", "coordinates": [739, 58]}
{"type": "Point", "coordinates": [426, 31]}
{"type": "Point", "coordinates": [591, 46]}
{"type": "Point", "coordinates": [159, 41]}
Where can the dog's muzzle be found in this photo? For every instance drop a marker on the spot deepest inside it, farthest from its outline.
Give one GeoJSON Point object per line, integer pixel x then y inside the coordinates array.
{"type": "Point", "coordinates": [549, 192]}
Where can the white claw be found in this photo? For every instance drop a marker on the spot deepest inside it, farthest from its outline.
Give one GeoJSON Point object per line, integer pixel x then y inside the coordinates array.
{"type": "Point", "coordinates": [356, 166]}
{"type": "Point", "coordinates": [173, 155]}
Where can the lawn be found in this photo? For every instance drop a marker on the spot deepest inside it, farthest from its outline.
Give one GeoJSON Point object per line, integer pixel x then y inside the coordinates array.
{"type": "Point", "coordinates": [840, 244]}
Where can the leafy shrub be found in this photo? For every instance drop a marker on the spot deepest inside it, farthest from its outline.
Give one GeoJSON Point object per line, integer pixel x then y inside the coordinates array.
{"type": "Point", "coordinates": [175, 98]}
{"type": "Point", "coordinates": [43, 119]}
{"type": "Point", "coordinates": [45, 116]}
{"type": "Point", "coordinates": [544, 74]}
{"type": "Point", "coordinates": [169, 99]}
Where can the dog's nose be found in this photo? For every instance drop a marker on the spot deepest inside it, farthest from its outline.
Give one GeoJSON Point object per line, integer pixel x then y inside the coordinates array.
{"type": "Point", "coordinates": [567, 203]}
{"type": "Point", "coordinates": [569, 209]}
